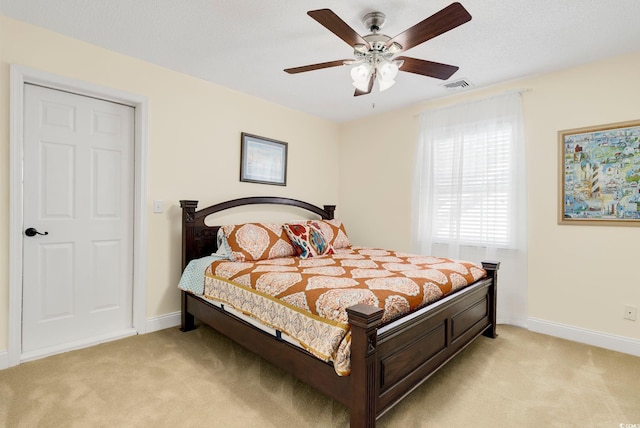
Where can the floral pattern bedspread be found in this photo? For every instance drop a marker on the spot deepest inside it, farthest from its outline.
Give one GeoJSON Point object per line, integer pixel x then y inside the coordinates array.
{"type": "Point", "coordinates": [314, 293]}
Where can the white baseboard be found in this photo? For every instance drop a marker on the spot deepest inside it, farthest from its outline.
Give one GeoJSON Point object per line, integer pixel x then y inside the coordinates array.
{"type": "Point", "coordinates": [152, 324]}
{"type": "Point", "coordinates": [589, 337]}
{"type": "Point", "coordinates": [518, 322]}
{"type": "Point", "coordinates": [162, 321]}
{"type": "Point", "coordinates": [4, 360]}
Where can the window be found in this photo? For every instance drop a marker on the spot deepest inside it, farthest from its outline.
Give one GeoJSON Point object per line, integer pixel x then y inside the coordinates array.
{"type": "Point", "coordinates": [472, 205]}
{"type": "Point", "coordinates": [469, 192]}
{"type": "Point", "coordinates": [469, 184]}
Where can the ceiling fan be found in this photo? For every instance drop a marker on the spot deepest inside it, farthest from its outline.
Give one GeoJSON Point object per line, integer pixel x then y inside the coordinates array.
{"type": "Point", "coordinates": [374, 53]}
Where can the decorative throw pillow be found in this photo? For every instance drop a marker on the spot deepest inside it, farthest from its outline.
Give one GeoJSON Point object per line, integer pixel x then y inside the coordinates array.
{"type": "Point", "coordinates": [307, 239]}
{"type": "Point", "coordinates": [223, 246]}
{"type": "Point", "coordinates": [257, 241]}
{"type": "Point", "coordinates": [334, 232]}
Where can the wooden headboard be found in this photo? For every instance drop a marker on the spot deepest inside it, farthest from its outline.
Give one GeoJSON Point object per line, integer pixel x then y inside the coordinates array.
{"type": "Point", "coordinates": [199, 240]}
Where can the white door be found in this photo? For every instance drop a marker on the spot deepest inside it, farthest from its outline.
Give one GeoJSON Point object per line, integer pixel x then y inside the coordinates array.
{"type": "Point", "coordinates": [78, 195]}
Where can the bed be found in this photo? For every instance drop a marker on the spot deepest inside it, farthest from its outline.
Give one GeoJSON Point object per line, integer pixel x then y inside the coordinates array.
{"type": "Point", "coordinates": [388, 360]}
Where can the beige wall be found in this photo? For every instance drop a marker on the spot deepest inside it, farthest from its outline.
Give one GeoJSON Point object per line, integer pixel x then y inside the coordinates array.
{"type": "Point", "coordinates": [194, 145]}
{"type": "Point", "coordinates": [579, 276]}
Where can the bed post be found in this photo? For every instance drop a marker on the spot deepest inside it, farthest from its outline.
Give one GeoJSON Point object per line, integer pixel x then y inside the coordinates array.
{"type": "Point", "coordinates": [188, 217]}
{"type": "Point", "coordinates": [492, 272]}
{"type": "Point", "coordinates": [330, 209]}
{"type": "Point", "coordinates": [364, 383]}
{"type": "Point", "coordinates": [187, 320]}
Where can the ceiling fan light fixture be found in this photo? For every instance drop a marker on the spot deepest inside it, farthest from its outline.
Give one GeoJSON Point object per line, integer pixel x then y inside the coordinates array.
{"type": "Point", "coordinates": [383, 85]}
{"type": "Point", "coordinates": [361, 86]}
{"type": "Point", "coordinates": [361, 75]}
{"type": "Point", "coordinates": [387, 71]}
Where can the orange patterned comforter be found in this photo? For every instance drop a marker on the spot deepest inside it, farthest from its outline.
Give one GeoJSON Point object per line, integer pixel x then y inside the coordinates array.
{"type": "Point", "coordinates": [313, 293]}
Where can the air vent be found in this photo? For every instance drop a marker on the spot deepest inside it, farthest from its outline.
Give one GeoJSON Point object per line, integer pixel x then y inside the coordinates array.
{"type": "Point", "coordinates": [458, 85]}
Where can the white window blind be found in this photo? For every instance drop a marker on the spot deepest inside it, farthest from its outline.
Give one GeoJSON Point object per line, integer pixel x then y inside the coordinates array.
{"type": "Point", "coordinates": [471, 180]}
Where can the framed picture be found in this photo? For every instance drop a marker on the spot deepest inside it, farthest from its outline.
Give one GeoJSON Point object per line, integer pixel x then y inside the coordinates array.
{"type": "Point", "coordinates": [599, 175]}
{"type": "Point", "coordinates": [263, 160]}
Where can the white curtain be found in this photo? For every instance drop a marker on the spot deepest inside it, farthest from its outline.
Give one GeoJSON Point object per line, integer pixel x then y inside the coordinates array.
{"type": "Point", "coordinates": [469, 192]}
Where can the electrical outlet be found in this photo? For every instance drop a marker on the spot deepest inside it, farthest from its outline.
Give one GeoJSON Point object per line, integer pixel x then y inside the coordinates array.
{"type": "Point", "coordinates": [630, 312]}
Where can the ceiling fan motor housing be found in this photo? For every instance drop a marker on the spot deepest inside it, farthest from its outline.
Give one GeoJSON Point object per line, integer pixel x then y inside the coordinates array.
{"type": "Point", "coordinates": [374, 21]}
{"type": "Point", "coordinates": [378, 50]}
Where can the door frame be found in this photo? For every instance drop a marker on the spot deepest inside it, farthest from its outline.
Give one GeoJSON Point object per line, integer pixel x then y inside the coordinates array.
{"type": "Point", "coordinates": [19, 76]}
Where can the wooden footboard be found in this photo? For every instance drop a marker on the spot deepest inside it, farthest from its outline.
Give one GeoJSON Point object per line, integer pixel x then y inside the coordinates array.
{"type": "Point", "coordinates": [387, 361]}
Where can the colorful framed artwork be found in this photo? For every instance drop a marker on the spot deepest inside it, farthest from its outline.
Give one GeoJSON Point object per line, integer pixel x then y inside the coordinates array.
{"type": "Point", "coordinates": [599, 175]}
{"type": "Point", "coordinates": [263, 160]}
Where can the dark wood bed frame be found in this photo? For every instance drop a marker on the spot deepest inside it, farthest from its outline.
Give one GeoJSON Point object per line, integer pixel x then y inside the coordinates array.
{"type": "Point", "coordinates": [387, 361]}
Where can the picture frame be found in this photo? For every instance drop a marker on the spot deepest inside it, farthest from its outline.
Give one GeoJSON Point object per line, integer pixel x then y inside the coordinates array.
{"type": "Point", "coordinates": [599, 175]}
{"type": "Point", "coordinates": [263, 160]}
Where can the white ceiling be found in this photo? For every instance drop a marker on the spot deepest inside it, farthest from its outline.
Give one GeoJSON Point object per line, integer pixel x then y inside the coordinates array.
{"type": "Point", "coordinates": [245, 44]}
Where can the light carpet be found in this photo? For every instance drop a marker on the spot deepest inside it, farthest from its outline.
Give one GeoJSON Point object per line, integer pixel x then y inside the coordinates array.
{"type": "Point", "coordinates": [200, 378]}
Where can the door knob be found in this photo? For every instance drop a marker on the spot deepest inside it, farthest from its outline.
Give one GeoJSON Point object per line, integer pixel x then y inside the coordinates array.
{"type": "Point", "coordinates": [33, 232]}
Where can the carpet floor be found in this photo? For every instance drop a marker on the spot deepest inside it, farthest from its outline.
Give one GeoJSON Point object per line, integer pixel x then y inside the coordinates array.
{"type": "Point", "coordinates": [200, 378]}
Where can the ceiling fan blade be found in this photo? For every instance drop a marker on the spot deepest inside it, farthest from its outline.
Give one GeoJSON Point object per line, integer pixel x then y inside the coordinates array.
{"type": "Point", "coordinates": [337, 26]}
{"type": "Point", "coordinates": [447, 19]}
{"type": "Point", "coordinates": [427, 68]}
{"type": "Point", "coordinates": [368, 91]}
{"type": "Point", "coordinates": [318, 66]}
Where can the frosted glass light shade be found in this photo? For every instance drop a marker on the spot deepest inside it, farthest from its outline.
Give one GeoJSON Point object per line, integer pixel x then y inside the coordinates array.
{"type": "Point", "coordinates": [387, 71]}
{"type": "Point", "coordinates": [361, 73]}
{"type": "Point", "coordinates": [385, 84]}
{"type": "Point", "coordinates": [362, 86]}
